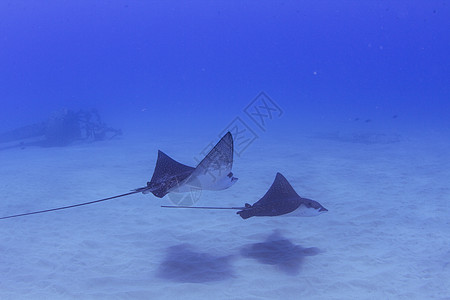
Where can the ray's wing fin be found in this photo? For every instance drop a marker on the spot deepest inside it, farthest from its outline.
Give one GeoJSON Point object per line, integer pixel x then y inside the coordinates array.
{"type": "Point", "coordinates": [214, 171]}
{"type": "Point", "coordinates": [168, 173]}
{"type": "Point", "coordinates": [280, 199]}
{"type": "Point", "coordinates": [279, 191]}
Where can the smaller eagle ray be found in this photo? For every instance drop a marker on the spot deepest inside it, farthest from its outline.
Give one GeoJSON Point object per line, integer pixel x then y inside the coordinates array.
{"type": "Point", "coordinates": [280, 199]}
{"type": "Point", "coordinates": [212, 173]}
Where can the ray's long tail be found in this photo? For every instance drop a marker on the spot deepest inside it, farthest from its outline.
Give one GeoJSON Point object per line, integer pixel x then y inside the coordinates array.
{"type": "Point", "coordinates": [70, 206]}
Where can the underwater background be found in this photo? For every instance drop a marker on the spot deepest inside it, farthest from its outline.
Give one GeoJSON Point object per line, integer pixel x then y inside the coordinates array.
{"type": "Point", "coordinates": [350, 100]}
{"type": "Point", "coordinates": [144, 63]}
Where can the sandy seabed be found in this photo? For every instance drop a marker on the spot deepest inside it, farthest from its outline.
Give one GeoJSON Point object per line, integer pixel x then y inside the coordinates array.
{"type": "Point", "coordinates": [386, 235]}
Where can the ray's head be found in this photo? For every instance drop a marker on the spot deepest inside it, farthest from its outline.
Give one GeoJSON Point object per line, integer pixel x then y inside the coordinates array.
{"type": "Point", "coordinates": [310, 208]}
{"type": "Point", "coordinates": [225, 181]}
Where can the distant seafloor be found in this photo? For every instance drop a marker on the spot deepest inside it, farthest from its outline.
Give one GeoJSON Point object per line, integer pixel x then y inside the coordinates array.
{"type": "Point", "coordinates": [385, 235]}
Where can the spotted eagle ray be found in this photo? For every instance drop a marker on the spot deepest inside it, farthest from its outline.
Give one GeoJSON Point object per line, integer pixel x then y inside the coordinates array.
{"type": "Point", "coordinates": [212, 173]}
{"type": "Point", "coordinates": [280, 199]}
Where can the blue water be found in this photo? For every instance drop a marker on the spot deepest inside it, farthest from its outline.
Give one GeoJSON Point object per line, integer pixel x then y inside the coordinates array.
{"type": "Point", "coordinates": [192, 61]}
{"type": "Point", "coordinates": [177, 75]}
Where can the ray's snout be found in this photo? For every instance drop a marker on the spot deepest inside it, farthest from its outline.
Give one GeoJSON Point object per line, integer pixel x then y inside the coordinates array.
{"type": "Point", "coordinates": [233, 179]}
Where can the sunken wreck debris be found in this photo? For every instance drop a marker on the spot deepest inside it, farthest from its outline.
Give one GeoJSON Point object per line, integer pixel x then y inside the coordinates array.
{"type": "Point", "coordinates": [61, 129]}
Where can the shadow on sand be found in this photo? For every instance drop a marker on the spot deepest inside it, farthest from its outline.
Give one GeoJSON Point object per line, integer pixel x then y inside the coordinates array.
{"type": "Point", "coordinates": [279, 251]}
{"type": "Point", "coordinates": [183, 264]}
